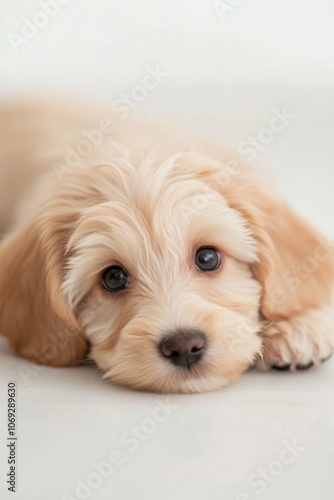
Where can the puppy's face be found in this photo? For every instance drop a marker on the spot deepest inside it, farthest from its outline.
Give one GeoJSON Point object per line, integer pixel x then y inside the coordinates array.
{"type": "Point", "coordinates": [160, 268]}
{"type": "Point", "coordinates": [160, 279]}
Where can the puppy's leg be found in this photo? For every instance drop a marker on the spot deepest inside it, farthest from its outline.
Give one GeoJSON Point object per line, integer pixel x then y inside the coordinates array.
{"type": "Point", "coordinates": [299, 342]}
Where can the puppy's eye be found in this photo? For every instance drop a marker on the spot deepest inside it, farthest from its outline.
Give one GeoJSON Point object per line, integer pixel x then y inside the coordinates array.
{"type": "Point", "coordinates": [115, 279]}
{"type": "Point", "coordinates": [207, 259]}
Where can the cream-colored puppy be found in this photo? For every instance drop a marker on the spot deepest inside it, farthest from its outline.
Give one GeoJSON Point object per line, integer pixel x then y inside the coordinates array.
{"type": "Point", "coordinates": [168, 260]}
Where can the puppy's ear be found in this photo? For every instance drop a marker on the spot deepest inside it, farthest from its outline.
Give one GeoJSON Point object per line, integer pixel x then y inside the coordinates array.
{"type": "Point", "coordinates": [34, 314]}
{"type": "Point", "coordinates": [296, 266]}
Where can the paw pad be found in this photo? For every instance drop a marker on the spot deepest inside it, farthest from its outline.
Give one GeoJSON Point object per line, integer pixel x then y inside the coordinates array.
{"type": "Point", "coordinates": [281, 368]}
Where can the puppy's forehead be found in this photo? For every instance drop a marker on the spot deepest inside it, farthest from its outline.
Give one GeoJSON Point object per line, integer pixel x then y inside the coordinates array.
{"type": "Point", "coordinates": [162, 211]}
{"type": "Point", "coordinates": [149, 217]}
{"type": "Point", "coordinates": [151, 224]}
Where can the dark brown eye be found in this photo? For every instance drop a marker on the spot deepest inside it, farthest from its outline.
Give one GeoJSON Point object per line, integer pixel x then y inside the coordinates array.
{"type": "Point", "coordinates": [207, 259]}
{"type": "Point", "coordinates": [115, 279]}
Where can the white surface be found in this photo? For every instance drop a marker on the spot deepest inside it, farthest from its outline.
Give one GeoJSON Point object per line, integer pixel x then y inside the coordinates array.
{"type": "Point", "coordinates": [225, 76]}
{"type": "Point", "coordinates": [210, 446]}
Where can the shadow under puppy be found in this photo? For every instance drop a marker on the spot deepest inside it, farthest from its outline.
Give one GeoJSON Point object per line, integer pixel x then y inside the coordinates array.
{"type": "Point", "coordinates": [173, 260]}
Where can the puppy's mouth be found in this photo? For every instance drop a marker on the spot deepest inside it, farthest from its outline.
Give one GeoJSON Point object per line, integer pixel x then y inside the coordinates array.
{"type": "Point", "coordinates": [185, 360]}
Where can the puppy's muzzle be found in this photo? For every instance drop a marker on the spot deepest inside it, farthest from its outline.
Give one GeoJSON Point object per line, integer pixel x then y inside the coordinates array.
{"type": "Point", "coordinates": [183, 348]}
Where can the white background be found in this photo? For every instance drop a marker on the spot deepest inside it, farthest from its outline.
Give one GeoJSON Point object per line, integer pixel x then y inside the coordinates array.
{"type": "Point", "coordinates": [226, 75]}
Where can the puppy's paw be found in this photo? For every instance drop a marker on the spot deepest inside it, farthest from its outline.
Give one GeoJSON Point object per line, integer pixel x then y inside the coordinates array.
{"type": "Point", "coordinates": [298, 343]}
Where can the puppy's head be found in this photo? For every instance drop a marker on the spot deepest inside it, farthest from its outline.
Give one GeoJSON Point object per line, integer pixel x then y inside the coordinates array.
{"type": "Point", "coordinates": [163, 269]}
{"type": "Point", "coordinates": [160, 277]}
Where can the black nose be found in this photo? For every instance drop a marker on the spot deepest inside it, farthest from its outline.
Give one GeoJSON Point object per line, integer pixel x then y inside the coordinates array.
{"type": "Point", "coordinates": [183, 348]}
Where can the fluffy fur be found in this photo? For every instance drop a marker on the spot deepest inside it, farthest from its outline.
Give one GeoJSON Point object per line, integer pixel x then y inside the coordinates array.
{"type": "Point", "coordinates": [146, 200]}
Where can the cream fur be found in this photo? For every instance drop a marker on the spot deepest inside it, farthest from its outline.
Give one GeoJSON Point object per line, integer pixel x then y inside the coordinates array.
{"type": "Point", "coordinates": [146, 199]}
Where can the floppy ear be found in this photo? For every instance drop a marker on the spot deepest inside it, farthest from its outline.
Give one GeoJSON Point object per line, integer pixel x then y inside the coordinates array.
{"type": "Point", "coordinates": [34, 315]}
{"type": "Point", "coordinates": [296, 266]}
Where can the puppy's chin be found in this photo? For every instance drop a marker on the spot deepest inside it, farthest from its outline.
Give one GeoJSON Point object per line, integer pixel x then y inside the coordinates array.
{"type": "Point", "coordinates": [182, 381]}
{"type": "Point", "coordinates": [134, 359]}
{"type": "Point", "coordinates": [177, 379]}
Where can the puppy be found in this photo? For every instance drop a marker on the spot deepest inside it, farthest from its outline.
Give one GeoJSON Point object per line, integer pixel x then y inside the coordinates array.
{"type": "Point", "coordinates": [169, 260]}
